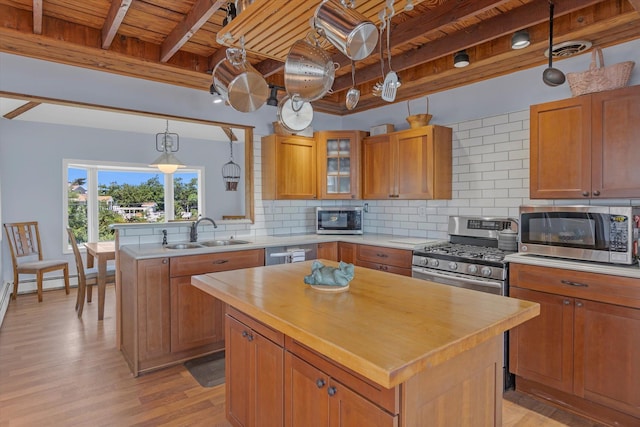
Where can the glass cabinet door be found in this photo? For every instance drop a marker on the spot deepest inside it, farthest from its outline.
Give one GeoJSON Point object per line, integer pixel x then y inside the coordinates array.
{"type": "Point", "coordinates": [338, 163]}
{"type": "Point", "coordinates": [339, 166]}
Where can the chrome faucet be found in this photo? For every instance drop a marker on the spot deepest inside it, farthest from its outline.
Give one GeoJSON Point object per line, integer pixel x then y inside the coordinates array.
{"type": "Point", "coordinates": [193, 235]}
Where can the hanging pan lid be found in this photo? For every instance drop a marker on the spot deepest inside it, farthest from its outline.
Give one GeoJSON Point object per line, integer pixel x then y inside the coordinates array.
{"type": "Point", "coordinates": [294, 116]}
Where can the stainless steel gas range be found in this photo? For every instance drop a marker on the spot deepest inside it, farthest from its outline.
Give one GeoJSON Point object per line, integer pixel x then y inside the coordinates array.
{"type": "Point", "coordinates": [471, 259]}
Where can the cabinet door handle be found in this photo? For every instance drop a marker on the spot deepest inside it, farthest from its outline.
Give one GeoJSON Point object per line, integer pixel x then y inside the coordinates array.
{"type": "Point", "coordinates": [331, 391]}
{"type": "Point", "coordinates": [596, 193]}
{"type": "Point", "coordinates": [221, 261]}
{"type": "Point", "coordinates": [320, 383]}
{"type": "Point", "coordinates": [568, 282]}
{"type": "Point", "coordinates": [245, 334]}
{"type": "Point", "coordinates": [585, 193]}
{"type": "Point", "coordinates": [579, 304]}
{"type": "Point", "coordinates": [164, 261]}
{"type": "Point", "coordinates": [566, 302]}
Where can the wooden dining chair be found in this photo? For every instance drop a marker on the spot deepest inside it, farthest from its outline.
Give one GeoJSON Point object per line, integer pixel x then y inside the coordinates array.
{"type": "Point", "coordinates": [27, 258]}
{"type": "Point", "coordinates": [87, 277]}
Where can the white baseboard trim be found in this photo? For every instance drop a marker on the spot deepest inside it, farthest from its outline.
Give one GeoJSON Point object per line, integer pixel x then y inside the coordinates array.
{"type": "Point", "coordinates": [5, 296]}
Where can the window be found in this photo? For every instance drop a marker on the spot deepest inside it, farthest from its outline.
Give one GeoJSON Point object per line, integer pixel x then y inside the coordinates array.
{"type": "Point", "coordinates": [99, 194]}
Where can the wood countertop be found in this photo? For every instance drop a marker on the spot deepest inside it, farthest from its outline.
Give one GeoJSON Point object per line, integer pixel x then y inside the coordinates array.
{"type": "Point", "coordinates": [385, 327]}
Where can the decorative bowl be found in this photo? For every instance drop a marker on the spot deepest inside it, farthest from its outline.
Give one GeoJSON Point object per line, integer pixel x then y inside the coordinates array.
{"type": "Point", "coordinates": [419, 120]}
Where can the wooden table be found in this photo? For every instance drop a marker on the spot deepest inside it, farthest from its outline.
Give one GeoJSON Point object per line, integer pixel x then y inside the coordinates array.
{"type": "Point", "coordinates": [102, 251]}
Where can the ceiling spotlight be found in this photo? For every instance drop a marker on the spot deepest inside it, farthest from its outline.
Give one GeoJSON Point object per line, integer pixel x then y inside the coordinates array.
{"type": "Point", "coordinates": [217, 98]}
{"type": "Point", "coordinates": [273, 97]}
{"type": "Point", "coordinates": [520, 39]}
{"type": "Point", "coordinates": [461, 59]}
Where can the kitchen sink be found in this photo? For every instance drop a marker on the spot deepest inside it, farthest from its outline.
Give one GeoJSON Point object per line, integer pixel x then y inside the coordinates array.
{"type": "Point", "coordinates": [224, 242]}
{"type": "Point", "coordinates": [184, 246]}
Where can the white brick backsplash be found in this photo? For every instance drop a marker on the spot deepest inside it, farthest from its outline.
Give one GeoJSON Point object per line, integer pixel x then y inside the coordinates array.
{"type": "Point", "coordinates": [490, 178]}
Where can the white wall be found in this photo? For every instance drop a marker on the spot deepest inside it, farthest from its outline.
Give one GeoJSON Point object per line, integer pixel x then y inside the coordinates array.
{"type": "Point", "coordinates": [490, 122]}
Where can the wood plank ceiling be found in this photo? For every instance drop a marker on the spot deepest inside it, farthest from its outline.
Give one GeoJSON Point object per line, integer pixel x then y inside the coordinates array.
{"type": "Point", "coordinates": [175, 42]}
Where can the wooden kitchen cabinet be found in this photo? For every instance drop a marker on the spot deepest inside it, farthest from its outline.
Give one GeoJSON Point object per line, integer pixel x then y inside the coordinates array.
{"type": "Point", "coordinates": [166, 320]}
{"type": "Point", "coordinates": [582, 349]}
{"type": "Point", "coordinates": [254, 372]}
{"type": "Point", "coordinates": [391, 260]}
{"type": "Point", "coordinates": [586, 146]}
{"type": "Point", "coordinates": [146, 312]}
{"type": "Point", "coordinates": [328, 250]}
{"type": "Point", "coordinates": [289, 167]}
{"type": "Point", "coordinates": [347, 252]}
{"type": "Point", "coordinates": [339, 164]}
{"type": "Point", "coordinates": [313, 398]}
{"type": "Point", "coordinates": [197, 319]}
{"type": "Point", "coordinates": [409, 164]}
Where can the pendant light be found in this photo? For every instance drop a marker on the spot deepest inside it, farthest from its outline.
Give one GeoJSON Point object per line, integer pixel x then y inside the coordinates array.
{"type": "Point", "coordinates": [230, 170]}
{"type": "Point", "coordinates": [167, 143]}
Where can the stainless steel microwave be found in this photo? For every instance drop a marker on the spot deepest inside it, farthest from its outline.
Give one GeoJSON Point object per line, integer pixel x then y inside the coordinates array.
{"type": "Point", "coordinates": [339, 220]}
{"type": "Point", "coordinates": [590, 233]}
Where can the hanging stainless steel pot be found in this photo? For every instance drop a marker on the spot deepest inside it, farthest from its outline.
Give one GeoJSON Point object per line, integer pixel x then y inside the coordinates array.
{"type": "Point", "coordinates": [347, 29]}
{"type": "Point", "coordinates": [294, 116]}
{"type": "Point", "coordinates": [242, 85]}
{"type": "Point", "coordinates": [241, 5]}
{"type": "Point", "coordinates": [308, 71]}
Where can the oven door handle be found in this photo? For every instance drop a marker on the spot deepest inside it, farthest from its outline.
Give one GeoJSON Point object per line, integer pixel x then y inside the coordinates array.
{"type": "Point", "coordinates": [487, 283]}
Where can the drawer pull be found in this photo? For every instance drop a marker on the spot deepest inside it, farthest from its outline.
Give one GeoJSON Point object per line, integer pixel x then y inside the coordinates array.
{"type": "Point", "coordinates": [320, 383]}
{"type": "Point", "coordinates": [379, 255]}
{"type": "Point", "coordinates": [221, 261]}
{"type": "Point", "coordinates": [568, 282]}
{"type": "Point", "coordinates": [332, 391]}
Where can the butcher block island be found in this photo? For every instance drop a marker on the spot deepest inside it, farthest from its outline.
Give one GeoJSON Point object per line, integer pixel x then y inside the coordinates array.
{"type": "Point", "coordinates": [387, 351]}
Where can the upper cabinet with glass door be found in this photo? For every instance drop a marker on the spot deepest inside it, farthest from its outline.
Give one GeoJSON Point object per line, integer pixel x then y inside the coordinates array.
{"type": "Point", "coordinates": [339, 164]}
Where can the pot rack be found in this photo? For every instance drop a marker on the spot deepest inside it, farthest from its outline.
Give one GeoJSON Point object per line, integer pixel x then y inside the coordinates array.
{"type": "Point", "coordinates": [270, 27]}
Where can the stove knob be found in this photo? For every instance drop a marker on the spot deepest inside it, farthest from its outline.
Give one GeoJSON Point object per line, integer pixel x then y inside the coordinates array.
{"type": "Point", "coordinates": [434, 262]}
{"type": "Point", "coordinates": [486, 271]}
{"type": "Point", "coordinates": [453, 266]}
{"type": "Point", "coordinates": [473, 269]}
{"type": "Point", "coordinates": [424, 261]}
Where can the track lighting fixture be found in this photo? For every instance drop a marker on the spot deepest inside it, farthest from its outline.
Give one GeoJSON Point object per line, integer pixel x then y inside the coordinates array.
{"type": "Point", "coordinates": [461, 59]}
{"type": "Point", "coordinates": [217, 98]}
{"type": "Point", "coordinates": [520, 39]}
{"type": "Point", "coordinates": [273, 97]}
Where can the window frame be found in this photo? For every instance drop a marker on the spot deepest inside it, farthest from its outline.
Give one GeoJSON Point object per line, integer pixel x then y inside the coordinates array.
{"type": "Point", "coordinates": [93, 166]}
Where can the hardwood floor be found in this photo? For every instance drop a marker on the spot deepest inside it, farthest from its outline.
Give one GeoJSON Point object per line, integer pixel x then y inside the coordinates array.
{"type": "Point", "coordinates": [58, 370]}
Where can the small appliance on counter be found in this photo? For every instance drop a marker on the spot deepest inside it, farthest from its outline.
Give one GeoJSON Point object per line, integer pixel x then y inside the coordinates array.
{"type": "Point", "coordinates": [606, 234]}
{"type": "Point", "coordinates": [339, 220]}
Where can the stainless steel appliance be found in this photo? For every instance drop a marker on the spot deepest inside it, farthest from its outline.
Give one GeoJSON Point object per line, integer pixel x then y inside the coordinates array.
{"type": "Point", "coordinates": [470, 259]}
{"type": "Point", "coordinates": [339, 220]}
{"type": "Point", "coordinates": [589, 233]}
{"type": "Point", "coordinates": [292, 253]}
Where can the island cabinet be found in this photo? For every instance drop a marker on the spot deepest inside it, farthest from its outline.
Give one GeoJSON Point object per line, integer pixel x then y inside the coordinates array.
{"type": "Point", "coordinates": [583, 348]}
{"type": "Point", "coordinates": [166, 320]}
{"type": "Point", "coordinates": [410, 164]}
{"type": "Point", "coordinates": [254, 370]}
{"type": "Point", "coordinates": [339, 164]}
{"type": "Point", "coordinates": [587, 146]}
{"type": "Point", "coordinates": [321, 393]}
{"type": "Point", "coordinates": [289, 167]}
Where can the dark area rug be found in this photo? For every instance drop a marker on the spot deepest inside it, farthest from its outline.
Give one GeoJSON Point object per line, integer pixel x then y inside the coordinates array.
{"type": "Point", "coordinates": [207, 370]}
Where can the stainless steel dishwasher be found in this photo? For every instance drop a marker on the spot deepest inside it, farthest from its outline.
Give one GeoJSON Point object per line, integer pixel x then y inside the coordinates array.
{"type": "Point", "coordinates": [292, 253]}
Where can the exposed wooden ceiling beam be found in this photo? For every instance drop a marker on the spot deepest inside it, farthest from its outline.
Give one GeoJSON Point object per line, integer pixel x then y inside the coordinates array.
{"type": "Point", "coordinates": [487, 30]}
{"type": "Point", "coordinates": [196, 18]}
{"type": "Point", "coordinates": [37, 16]}
{"type": "Point", "coordinates": [21, 110]}
{"type": "Point", "coordinates": [116, 14]}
